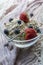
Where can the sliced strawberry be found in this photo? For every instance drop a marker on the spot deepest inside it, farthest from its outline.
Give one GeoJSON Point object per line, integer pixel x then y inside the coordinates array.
{"type": "Point", "coordinates": [30, 33]}
{"type": "Point", "coordinates": [30, 30]}
{"type": "Point", "coordinates": [27, 36]}
{"type": "Point", "coordinates": [24, 17]}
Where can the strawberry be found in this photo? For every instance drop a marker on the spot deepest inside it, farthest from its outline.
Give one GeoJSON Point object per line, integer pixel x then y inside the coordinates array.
{"type": "Point", "coordinates": [27, 36]}
{"type": "Point", "coordinates": [24, 17]}
{"type": "Point", "coordinates": [30, 33]}
{"type": "Point", "coordinates": [30, 30]}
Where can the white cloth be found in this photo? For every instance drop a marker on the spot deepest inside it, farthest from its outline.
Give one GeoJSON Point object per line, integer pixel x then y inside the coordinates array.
{"type": "Point", "coordinates": [8, 57]}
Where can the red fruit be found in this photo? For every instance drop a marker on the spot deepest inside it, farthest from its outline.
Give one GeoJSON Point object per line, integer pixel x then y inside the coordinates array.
{"type": "Point", "coordinates": [30, 33]}
{"type": "Point", "coordinates": [24, 17]}
{"type": "Point", "coordinates": [30, 30]}
{"type": "Point", "coordinates": [27, 36]}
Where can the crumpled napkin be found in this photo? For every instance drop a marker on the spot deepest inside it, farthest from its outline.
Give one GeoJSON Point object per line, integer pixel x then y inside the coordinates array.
{"type": "Point", "coordinates": [8, 53]}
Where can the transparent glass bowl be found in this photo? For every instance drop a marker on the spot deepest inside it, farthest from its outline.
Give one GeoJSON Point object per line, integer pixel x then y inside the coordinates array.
{"type": "Point", "coordinates": [34, 8]}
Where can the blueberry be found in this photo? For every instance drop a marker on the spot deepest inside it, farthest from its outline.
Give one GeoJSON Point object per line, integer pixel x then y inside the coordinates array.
{"type": "Point", "coordinates": [6, 32]}
{"type": "Point", "coordinates": [30, 26]}
{"type": "Point", "coordinates": [17, 31]}
{"type": "Point", "coordinates": [19, 22]}
{"type": "Point", "coordinates": [38, 30]}
{"type": "Point", "coordinates": [10, 19]}
{"type": "Point", "coordinates": [31, 14]}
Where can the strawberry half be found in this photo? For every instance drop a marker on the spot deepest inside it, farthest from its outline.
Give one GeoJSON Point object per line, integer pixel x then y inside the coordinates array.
{"type": "Point", "coordinates": [30, 30]}
{"type": "Point", "coordinates": [24, 17]}
{"type": "Point", "coordinates": [30, 33]}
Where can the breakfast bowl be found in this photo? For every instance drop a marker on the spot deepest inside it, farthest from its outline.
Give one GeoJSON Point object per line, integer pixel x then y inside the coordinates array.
{"type": "Point", "coordinates": [24, 43]}
{"type": "Point", "coordinates": [15, 42]}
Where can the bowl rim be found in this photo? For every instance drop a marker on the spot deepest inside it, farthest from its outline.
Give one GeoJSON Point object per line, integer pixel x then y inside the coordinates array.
{"type": "Point", "coordinates": [24, 41]}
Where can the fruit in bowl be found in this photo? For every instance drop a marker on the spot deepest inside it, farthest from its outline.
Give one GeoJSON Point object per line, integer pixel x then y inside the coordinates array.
{"type": "Point", "coordinates": [14, 28]}
{"type": "Point", "coordinates": [22, 28]}
{"type": "Point", "coordinates": [24, 17]}
{"type": "Point", "coordinates": [30, 33]}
